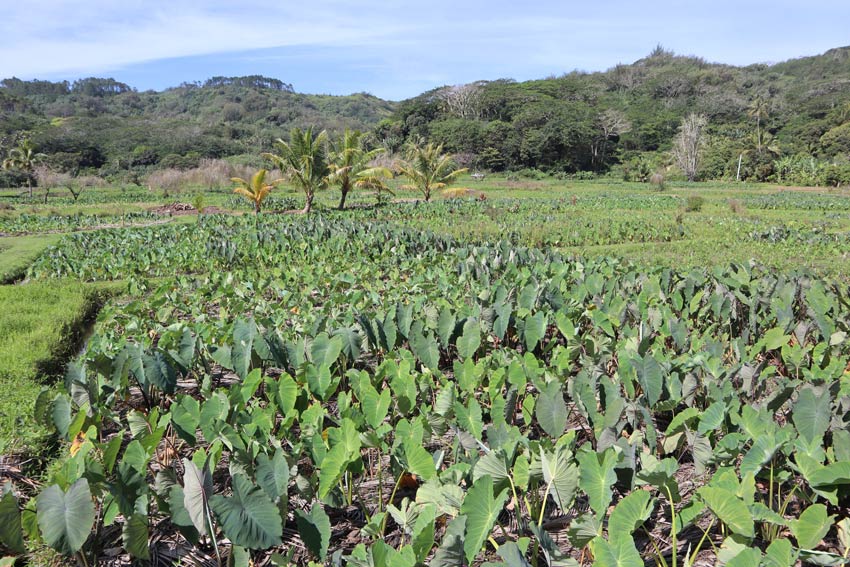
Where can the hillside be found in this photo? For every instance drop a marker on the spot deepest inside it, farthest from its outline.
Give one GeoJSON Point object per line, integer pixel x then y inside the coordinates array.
{"type": "Point", "coordinates": [625, 117]}
{"type": "Point", "coordinates": [630, 113]}
{"type": "Point", "coordinates": [106, 125]}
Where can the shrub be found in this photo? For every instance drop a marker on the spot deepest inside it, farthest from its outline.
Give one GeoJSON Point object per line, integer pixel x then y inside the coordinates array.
{"type": "Point", "coordinates": [694, 203]}
{"type": "Point", "coordinates": [736, 206]}
{"type": "Point", "coordinates": [657, 180]}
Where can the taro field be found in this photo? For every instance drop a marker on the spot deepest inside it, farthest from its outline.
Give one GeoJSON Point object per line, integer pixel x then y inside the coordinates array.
{"type": "Point", "coordinates": [518, 382]}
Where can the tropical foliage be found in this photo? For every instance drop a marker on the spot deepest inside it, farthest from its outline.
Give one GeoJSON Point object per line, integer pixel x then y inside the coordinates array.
{"type": "Point", "coordinates": [256, 189]}
{"type": "Point", "coordinates": [304, 162]}
{"type": "Point", "coordinates": [428, 168]}
{"type": "Point", "coordinates": [351, 166]}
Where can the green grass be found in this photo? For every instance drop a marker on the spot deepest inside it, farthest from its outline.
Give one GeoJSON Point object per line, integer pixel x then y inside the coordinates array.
{"type": "Point", "coordinates": [18, 252]}
{"type": "Point", "coordinates": [40, 328]}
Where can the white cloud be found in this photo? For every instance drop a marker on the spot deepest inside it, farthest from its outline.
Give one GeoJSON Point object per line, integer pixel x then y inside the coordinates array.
{"type": "Point", "coordinates": [45, 37]}
{"type": "Point", "coordinates": [408, 44]}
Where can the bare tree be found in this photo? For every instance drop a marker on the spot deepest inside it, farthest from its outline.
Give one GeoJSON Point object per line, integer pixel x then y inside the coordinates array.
{"type": "Point", "coordinates": [610, 124]}
{"type": "Point", "coordinates": [49, 178]}
{"type": "Point", "coordinates": [462, 100]}
{"type": "Point", "coordinates": [689, 144]}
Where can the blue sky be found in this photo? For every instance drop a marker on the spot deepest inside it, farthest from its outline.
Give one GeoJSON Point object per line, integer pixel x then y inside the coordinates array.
{"type": "Point", "coordinates": [395, 49]}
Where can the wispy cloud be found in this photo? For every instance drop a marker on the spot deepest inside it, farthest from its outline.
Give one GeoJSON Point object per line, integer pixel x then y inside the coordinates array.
{"type": "Point", "coordinates": [397, 48]}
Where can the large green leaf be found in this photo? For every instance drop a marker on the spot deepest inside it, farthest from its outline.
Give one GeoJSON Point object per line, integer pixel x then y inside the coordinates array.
{"type": "Point", "coordinates": [159, 371]}
{"type": "Point", "coordinates": [596, 476]}
{"type": "Point", "coordinates": [619, 553]}
{"type": "Point", "coordinates": [450, 552]}
{"type": "Point", "coordinates": [197, 490]}
{"type": "Point", "coordinates": [325, 350]}
{"type": "Point", "coordinates": [760, 453]}
{"type": "Point", "coordinates": [812, 412]}
{"type": "Point", "coordinates": [11, 534]}
{"type": "Point", "coordinates": [339, 457]}
{"type": "Point", "coordinates": [629, 514]}
{"type": "Point", "coordinates": [186, 417]}
{"type": "Point", "coordinates": [779, 553]}
{"type": "Point", "coordinates": [315, 530]}
{"type": "Point", "coordinates": [66, 518]}
{"type": "Point", "coordinates": [535, 329]}
{"type": "Point", "coordinates": [244, 333]}
{"type": "Point", "coordinates": [746, 557]}
{"type": "Point", "coordinates": [273, 474]}
{"type": "Point", "coordinates": [551, 410]}
{"type": "Point", "coordinates": [134, 535]}
{"type": "Point", "coordinates": [374, 406]}
{"type": "Point", "coordinates": [729, 509]}
{"type": "Point", "coordinates": [491, 464]}
{"type": "Point", "coordinates": [811, 527]}
{"type": "Point", "coordinates": [481, 510]}
{"type": "Point", "coordinates": [712, 418]}
{"type": "Point", "coordinates": [469, 341]}
{"type": "Point", "coordinates": [426, 350]}
{"type": "Point", "coordinates": [248, 517]}
{"type": "Point", "coordinates": [446, 326]}
{"type": "Point", "coordinates": [60, 413]}
{"type": "Point", "coordinates": [560, 475]}
{"type": "Point", "coordinates": [512, 554]}
{"type": "Point", "coordinates": [650, 376]}
{"type": "Point", "coordinates": [419, 460]}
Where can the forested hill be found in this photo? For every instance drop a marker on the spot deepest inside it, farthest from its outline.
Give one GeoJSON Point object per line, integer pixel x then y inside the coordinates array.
{"type": "Point", "coordinates": [630, 114]}
{"type": "Point", "coordinates": [107, 125]}
{"type": "Point", "coordinates": [625, 117]}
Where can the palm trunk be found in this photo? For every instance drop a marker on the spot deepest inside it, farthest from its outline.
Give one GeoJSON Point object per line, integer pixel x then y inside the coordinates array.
{"type": "Point", "coordinates": [29, 185]}
{"type": "Point", "coordinates": [344, 191]}
{"type": "Point", "coordinates": [256, 209]}
{"type": "Point", "coordinates": [308, 206]}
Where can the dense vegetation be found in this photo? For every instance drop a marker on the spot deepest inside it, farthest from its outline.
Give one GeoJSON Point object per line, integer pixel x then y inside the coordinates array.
{"type": "Point", "coordinates": [101, 126]}
{"type": "Point", "coordinates": [451, 403]}
{"type": "Point", "coordinates": [787, 122]}
{"type": "Point", "coordinates": [797, 110]}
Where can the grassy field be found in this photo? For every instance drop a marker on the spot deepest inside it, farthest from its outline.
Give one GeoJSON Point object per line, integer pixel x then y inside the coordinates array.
{"type": "Point", "coordinates": [17, 253]}
{"type": "Point", "coordinates": [40, 327]}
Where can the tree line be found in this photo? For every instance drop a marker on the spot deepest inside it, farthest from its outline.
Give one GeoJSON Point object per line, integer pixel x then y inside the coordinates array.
{"type": "Point", "coordinates": [788, 122]}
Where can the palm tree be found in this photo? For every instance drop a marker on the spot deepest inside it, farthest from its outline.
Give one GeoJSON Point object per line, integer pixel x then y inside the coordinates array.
{"type": "Point", "coordinates": [255, 190]}
{"type": "Point", "coordinates": [23, 158]}
{"type": "Point", "coordinates": [428, 168]}
{"type": "Point", "coordinates": [759, 110]}
{"type": "Point", "coordinates": [304, 161]}
{"type": "Point", "coordinates": [349, 166]}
